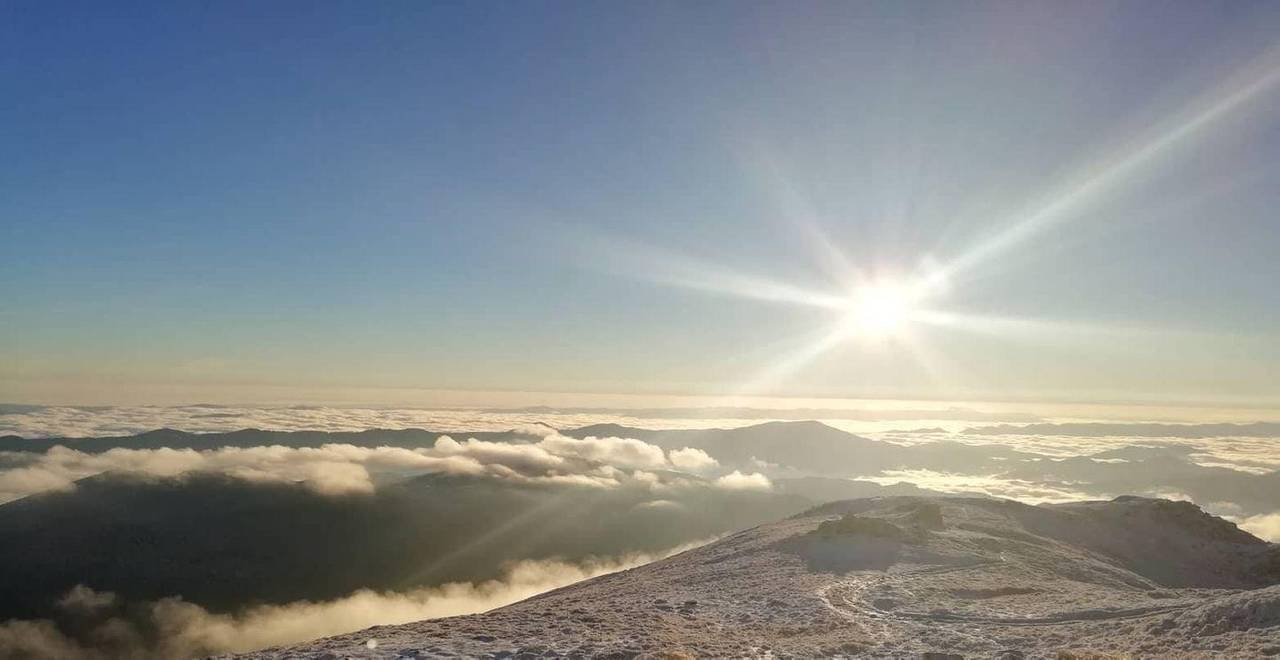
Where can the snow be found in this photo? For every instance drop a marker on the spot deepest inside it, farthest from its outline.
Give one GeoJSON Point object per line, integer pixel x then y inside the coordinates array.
{"type": "Point", "coordinates": [898, 577]}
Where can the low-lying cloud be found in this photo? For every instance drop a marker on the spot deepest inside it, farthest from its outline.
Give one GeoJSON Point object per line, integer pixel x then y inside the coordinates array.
{"type": "Point", "coordinates": [1246, 447]}
{"type": "Point", "coordinates": [342, 469]}
{"type": "Point", "coordinates": [172, 627]}
{"type": "Point", "coordinates": [620, 452]}
{"type": "Point", "coordinates": [99, 421]}
{"type": "Point", "coordinates": [1245, 453]}
{"type": "Point", "coordinates": [330, 469]}
{"type": "Point", "coordinates": [1266, 527]}
{"type": "Point", "coordinates": [692, 460]}
{"type": "Point", "coordinates": [738, 481]}
{"type": "Point", "coordinates": [1031, 492]}
{"type": "Point", "coordinates": [1134, 430]}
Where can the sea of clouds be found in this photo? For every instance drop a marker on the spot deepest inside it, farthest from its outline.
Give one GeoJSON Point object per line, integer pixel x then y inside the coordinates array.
{"type": "Point", "coordinates": [83, 422]}
{"type": "Point", "coordinates": [172, 627]}
{"type": "Point", "coordinates": [340, 469]}
{"type": "Point", "coordinates": [556, 458]}
{"type": "Point", "coordinates": [99, 421]}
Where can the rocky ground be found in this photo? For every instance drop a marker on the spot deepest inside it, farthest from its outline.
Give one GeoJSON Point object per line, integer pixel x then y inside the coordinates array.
{"type": "Point", "coordinates": [899, 577]}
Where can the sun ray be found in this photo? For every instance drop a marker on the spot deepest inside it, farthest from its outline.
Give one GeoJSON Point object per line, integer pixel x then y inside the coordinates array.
{"type": "Point", "coordinates": [801, 216]}
{"type": "Point", "coordinates": [1259, 78]}
{"type": "Point", "coordinates": [645, 262]}
{"type": "Point", "coordinates": [527, 522]}
{"type": "Point", "coordinates": [874, 310]}
{"type": "Point", "coordinates": [1047, 331]}
{"type": "Point", "coordinates": [790, 364]}
{"type": "Point", "coordinates": [932, 362]}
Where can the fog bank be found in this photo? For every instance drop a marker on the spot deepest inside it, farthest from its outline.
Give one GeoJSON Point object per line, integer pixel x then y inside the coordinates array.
{"type": "Point", "coordinates": [96, 625]}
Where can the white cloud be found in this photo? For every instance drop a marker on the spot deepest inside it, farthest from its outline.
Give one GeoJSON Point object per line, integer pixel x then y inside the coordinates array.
{"type": "Point", "coordinates": [519, 456]}
{"type": "Point", "coordinates": [993, 485]}
{"type": "Point", "coordinates": [1254, 455]}
{"type": "Point", "coordinates": [738, 481]}
{"type": "Point", "coordinates": [330, 469]}
{"type": "Point", "coordinates": [78, 422]}
{"type": "Point", "coordinates": [82, 599]}
{"type": "Point", "coordinates": [1251, 454]}
{"type": "Point", "coordinates": [623, 452]}
{"type": "Point", "coordinates": [40, 640]}
{"type": "Point", "coordinates": [646, 478]}
{"type": "Point", "coordinates": [1169, 494]}
{"type": "Point", "coordinates": [762, 465]}
{"type": "Point", "coordinates": [1266, 526]}
{"type": "Point", "coordinates": [341, 469]}
{"type": "Point", "coordinates": [1229, 510]}
{"type": "Point", "coordinates": [691, 460]}
{"type": "Point", "coordinates": [176, 628]}
{"type": "Point", "coordinates": [189, 626]}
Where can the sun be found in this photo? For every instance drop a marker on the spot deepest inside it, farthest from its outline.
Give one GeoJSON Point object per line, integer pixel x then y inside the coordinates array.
{"type": "Point", "coordinates": [879, 311]}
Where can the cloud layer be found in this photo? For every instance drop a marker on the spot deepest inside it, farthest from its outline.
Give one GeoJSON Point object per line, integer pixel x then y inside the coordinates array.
{"type": "Point", "coordinates": [1266, 527]}
{"type": "Point", "coordinates": [1031, 492]}
{"type": "Point", "coordinates": [173, 628]}
{"type": "Point", "coordinates": [1249, 447]}
{"type": "Point", "coordinates": [738, 481]}
{"type": "Point", "coordinates": [340, 469]}
{"type": "Point", "coordinates": [98, 421]}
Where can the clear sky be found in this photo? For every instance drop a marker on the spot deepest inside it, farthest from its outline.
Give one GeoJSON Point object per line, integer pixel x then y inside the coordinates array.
{"type": "Point", "coordinates": [233, 200]}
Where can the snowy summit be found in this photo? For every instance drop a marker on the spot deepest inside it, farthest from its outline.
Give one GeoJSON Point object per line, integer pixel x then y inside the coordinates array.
{"type": "Point", "coordinates": [899, 577]}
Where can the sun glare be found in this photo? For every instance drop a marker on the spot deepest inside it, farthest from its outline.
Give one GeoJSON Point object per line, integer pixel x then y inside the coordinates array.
{"type": "Point", "coordinates": [879, 311]}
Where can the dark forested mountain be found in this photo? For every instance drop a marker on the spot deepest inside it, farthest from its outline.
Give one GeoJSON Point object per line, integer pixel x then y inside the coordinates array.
{"type": "Point", "coordinates": [224, 542]}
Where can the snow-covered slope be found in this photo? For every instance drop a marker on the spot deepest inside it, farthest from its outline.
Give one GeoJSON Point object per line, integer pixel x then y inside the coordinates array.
{"type": "Point", "coordinates": [901, 577]}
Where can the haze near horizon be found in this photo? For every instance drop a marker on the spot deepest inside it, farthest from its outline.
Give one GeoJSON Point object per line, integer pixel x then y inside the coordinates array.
{"type": "Point", "coordinates": [240, 203]}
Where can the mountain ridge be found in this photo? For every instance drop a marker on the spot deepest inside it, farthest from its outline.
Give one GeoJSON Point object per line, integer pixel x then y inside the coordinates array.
{"type": "Point", "coordinates": [893, 577]}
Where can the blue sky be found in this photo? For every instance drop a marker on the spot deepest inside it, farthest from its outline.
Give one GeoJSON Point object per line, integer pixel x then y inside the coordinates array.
{"type": "Point", "coordinates": [226, 197]}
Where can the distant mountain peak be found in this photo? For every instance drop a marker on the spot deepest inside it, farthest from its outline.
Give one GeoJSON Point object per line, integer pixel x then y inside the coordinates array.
{"type": "Point", "coordinates": [164, 433]}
